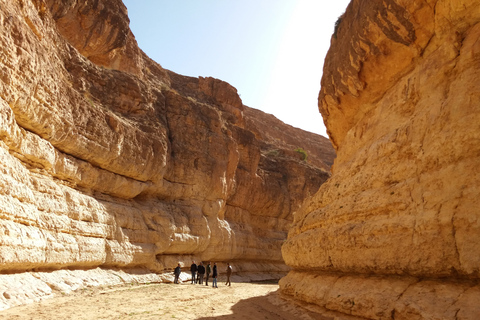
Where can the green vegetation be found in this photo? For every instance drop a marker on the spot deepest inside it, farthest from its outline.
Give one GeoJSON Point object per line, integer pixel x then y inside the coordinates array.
{"type": "Point", "coordinates": [273, 153]}
{"type": "Point", "coordinates": [303, 153]}
{"type": "Point", "coordinates": [89, 99]}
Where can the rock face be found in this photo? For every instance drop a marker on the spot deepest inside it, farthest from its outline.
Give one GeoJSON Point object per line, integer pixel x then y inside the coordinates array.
{"type": "Point", "coordinates": [108, 160]}
{"type": "Point", "coordinates": [395, 232]}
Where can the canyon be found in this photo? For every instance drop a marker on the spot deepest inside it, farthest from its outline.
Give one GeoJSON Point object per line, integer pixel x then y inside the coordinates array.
{"type": "Point", "coordinates": [113, 169]}
{"type": "Point", "coordinates": [395, 232]}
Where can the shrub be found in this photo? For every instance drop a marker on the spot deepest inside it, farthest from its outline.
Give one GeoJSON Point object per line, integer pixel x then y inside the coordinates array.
{"type": "Point", "coordinates": [303, 153]}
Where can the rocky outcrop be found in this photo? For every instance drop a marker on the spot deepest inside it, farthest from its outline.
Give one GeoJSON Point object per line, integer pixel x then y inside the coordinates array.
{"type": "Point", "coordinates": [395, 232]}
{"type": "Point", "coordinates": [108, 160]}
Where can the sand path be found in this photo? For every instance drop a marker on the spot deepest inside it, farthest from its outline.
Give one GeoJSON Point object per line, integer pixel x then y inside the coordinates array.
{"type": "Point", "coordinates": [167, 301]}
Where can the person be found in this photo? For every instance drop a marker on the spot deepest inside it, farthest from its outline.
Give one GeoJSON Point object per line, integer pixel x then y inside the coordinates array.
{"type": "Point", "coordinates": [193, 270]}
{"type": "Point", "coordinates": [229, 273]}
{"type": "Point", "coordinates": [209, 270]}
{"type": "Point", "coordinates": [177, 272]}
{"type": "Point", "coordinates": [214, 276]}
{"type": "Point", "coordinates": [201, 273]}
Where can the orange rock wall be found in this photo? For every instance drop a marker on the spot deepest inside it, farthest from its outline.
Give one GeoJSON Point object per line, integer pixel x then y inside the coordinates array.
{"type": "Point", "coordinates": [395, 232]}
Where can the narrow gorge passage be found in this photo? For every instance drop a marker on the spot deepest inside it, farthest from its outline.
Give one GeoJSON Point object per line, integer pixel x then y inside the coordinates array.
{"type": "Point", "coordinates": [168, 301]}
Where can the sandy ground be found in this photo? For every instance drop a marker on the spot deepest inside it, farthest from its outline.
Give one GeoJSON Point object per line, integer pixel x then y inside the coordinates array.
{"type": "Point", "coordinates": [167, 301]}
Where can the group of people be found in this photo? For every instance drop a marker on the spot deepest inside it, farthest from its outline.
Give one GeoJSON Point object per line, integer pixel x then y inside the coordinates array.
{"type": "Point", "coordinates": [199, 271]}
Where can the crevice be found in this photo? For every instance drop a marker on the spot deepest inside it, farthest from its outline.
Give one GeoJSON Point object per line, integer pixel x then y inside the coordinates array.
{"type": "Point", "coordinates": [456, 314]}
{"type": "Point", "coordinates": [454, 234]}
{"type": "Point", "coordinates": [422, 51]}
{"type": "Point", "coordinates": [180, 183]}
{"type": "Point", "coordinates": [393, 312]}
{"type": "Point", "coordinates": [433, 33]}
{"type": "Point", "coordinates": [456, 300]}
{"type": "Point", "coordinates": [406, 289]}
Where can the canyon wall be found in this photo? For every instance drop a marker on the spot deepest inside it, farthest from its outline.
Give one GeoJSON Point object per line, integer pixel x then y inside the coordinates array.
{"type": "Point", "coordinates": [395, 232]}
{"type": "Point", "coordinates": [108, 160]}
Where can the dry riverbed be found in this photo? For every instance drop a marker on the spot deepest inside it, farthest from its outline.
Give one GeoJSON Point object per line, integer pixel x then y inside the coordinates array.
{"type": "Point", "coordinates": [168, 301]}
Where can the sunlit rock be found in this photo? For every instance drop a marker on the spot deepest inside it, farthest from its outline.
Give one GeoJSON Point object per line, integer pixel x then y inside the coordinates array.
{"type": "Point", "coordinates": [395, 232]}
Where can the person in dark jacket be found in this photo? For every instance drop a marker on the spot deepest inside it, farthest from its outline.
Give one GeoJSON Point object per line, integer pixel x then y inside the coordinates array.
{"type": "Point", "coordinates": [229, 273]}
{"type": "Point", "coordinates": [209, 270]}
{"type": "Point", "coordinates": [177, 272]}
{"type": "Point", "coordinates": [193, 270]}
{"type": "Point", "coordinates": [201, 273]}
{"type": "Point", "coordinates": [214, 276]}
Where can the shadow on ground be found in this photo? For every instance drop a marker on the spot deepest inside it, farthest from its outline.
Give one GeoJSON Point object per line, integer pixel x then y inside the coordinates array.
{"type": "Point", "coordinates": [271, 306]}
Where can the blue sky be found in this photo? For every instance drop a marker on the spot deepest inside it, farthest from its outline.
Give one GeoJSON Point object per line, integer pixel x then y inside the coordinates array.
{"type": "Point", "coordinates": [272, 51]}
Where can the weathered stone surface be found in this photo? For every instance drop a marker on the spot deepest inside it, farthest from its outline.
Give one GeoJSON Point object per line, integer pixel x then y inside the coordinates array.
{"type": "Point", "coordinates": [271, 130]}
{"type": "Point", "coordinates": [108, 160]}
{"type": "Point", "coordinates": [400, 98]}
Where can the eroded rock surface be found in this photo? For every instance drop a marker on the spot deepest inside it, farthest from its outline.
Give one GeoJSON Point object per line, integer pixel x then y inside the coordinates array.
{"type": "Point", "coordinates": [108, 160]}
{"type": "Point", "coordinates": [395, 233]}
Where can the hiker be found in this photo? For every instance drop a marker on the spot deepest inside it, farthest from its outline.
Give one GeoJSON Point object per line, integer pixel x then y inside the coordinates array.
{"type": "Point", "coordinates": [201, 273]}
{"type": "Point", "coordinates": [177, 272]}
{"type": "Point", "coordinates": [193, 270]}
{"type": "Point", "coordinates": [209, 270]}
{"type": "Point", "coordinates": [214, 276]}
{"type": "Point", "coordinates": [229, 273]}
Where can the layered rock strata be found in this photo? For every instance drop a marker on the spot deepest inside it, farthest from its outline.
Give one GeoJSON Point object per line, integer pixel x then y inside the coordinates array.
{"type": "Point", "coordinates": [395, 232]}
{"type": "Point", "coordinates": [108, 160]}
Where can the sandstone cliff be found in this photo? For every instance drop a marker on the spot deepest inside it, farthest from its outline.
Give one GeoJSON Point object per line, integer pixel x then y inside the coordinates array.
{"type": "Point", "coordinates": [108, 160]}
{"type": "Point", "coordinates": [395, 232]}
